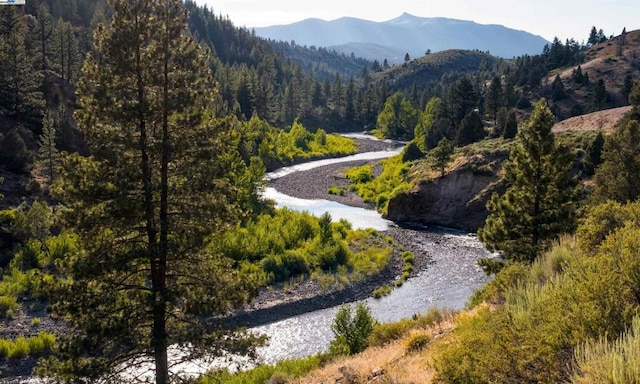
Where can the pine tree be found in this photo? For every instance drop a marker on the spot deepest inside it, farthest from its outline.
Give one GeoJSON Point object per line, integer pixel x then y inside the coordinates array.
{"type": "Point", "coordinates": [163, 175]}
{"type": "Point", "coordinates": [557, 89]}
{"type": "Point", "coordinates": [471, 130]}
{"type": "Point", "coordinates": [593, 157]}
{"type": "Point", "coordinates": [593, 37]}
{"type": "Point", "coordinates": [618, 178]}
{"type": "Point", "coordinates": [20, 86]}
{"type": "Point", "coordinates": [494, 97]}
{"type": "Point", "coordinates": [539, 202]}
{"type": "Point", "coordinates": [627, 86]}
{"type": "Point", "coordinates": [66, 53]}
{"type": "Point", "coordinates": [44, 36]}
{"type": "Point", "coordinates": [511, 127]}
{"type": "Point", "coordinates": [48, 152]}
{"type": "Point", "coordinates": [440, 156]}
{"type": "Point", "coordinates": [599, 94]}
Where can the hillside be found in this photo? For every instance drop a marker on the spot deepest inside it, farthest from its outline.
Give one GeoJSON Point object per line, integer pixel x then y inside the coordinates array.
{"type": "Point", "coordinates": [408, 34]}
{"type": "Point", "coordinates": [601, 120]}
{"type": "Point", "coordinates": [431, 67]}
{"type": "Point", "coordinates": [611, 61]}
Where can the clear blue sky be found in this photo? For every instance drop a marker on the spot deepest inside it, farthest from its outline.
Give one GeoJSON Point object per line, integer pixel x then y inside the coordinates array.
{"type": "Point", "coordinates": [547, 18]}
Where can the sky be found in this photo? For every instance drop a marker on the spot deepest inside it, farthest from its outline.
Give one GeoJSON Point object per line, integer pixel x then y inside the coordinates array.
{"type": "Point", "coordinates": [547, 18]}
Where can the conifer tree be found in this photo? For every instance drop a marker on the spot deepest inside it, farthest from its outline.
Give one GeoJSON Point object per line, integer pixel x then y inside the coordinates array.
{"type": "Point", "coordinates": [618, 178]}
{"type": "Point", "coordinates": [66, 53]}
{"type": "Point", "coordinates": [164, 173]}
{"type": "Point", "coordinates": [440, 156]}
{"type": "Point", "coordinates": [511, 127]}
{"type": "Point", "coordinates": [48, 152]}
{"type": "Point", "coordinates": [471, 130]}
{"type": "Point", "coordinates": [539, 202]}
{"type": "Point", "coordinates": [44, 36]}
{"type": "Point", "coordinates": [557, 89]}
{"type": "Point", "coordinates": [599, 94]}
{"type": "Point", "coordinates": [494, 97]}
{"type": "Point", "coordinates": [20, 94]}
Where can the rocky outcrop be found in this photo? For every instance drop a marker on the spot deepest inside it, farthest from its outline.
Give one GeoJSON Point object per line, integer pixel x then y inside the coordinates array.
{"type": "Point", "coordinates": [457, 200]}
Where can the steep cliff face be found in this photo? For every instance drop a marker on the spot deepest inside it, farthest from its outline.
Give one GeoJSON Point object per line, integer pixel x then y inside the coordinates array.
{"type": "Point", "coordinates": [457, 200]}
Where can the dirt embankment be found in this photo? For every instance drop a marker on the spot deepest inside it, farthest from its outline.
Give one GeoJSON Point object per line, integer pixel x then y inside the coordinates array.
{"type": "Point", "coordinates": [457, 200]}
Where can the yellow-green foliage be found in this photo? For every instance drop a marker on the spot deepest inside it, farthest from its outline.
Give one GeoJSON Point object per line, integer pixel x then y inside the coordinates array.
{"type": "Point", "coordinates": [391, 182]}
{"type": "Point", "coordinates": [603, 219]}
{"type": "Point", "coordinates": [288, 244]}
{"type": "Point", "coordinates": [387, 332]}
{"type": "Point", "coordinates": [286, 369]}
{"type": "Point", "coordinates": [26, 346]}
{"type": "Point", "coordinates": [276, 147]}
{"type": "Point", "coordinates": [614, 362]}
{"type": "Point", "coordinates": [417, 342]}
{"type": "Point", "coordinates": [562, 301]}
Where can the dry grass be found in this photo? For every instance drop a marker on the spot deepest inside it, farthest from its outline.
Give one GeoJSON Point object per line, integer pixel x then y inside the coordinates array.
{"type": "Point", "coordinates": [601, 120]}
{"type": "Point", "coordinates": [399, 366]}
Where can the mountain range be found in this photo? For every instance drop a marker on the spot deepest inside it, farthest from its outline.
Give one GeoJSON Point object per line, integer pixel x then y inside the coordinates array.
{"type": "Point", "coordinates": [414, 35]}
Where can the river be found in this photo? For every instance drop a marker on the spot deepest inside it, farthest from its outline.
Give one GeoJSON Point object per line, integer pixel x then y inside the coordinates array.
{"type": "Point", "coordinates": [448, 282]}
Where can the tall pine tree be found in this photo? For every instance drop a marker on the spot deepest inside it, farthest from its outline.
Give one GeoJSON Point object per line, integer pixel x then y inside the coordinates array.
{"type": "Point", "coordinates": [20, 86]}
{"type": "Point", "coordinates": [618, 178]}
{"type": "Point", "coordinates": [539, 203]}
{"type": "Point", "coordinates": [48, 154]}
{"type": "Point", "coordinates": [164, 174]}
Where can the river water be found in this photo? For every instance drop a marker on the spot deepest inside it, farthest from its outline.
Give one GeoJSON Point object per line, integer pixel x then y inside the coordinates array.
{"type": "Point", "coordinates": [451, 278]}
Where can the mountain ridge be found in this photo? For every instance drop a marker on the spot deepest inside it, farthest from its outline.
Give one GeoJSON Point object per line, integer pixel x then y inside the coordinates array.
{"type": "Point", "coordinates": [407, 33]}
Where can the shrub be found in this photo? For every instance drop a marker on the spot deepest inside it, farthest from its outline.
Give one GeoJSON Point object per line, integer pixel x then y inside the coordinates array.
{"type": "Point", "coordinates": [387, 332]}
{"type": "Point", "coordinates": [335, 190]}
{"type": "Point", "coordinates": [8, 305]}
{"type": "Point", "coordinates": [360, 174]}
{"type": "Point", "coordinates": [382, 291]}
{"type": "Point", "coordinates": [604, 361]}
{"type": "Point", "coordinates": [408, 257]}
{"type": "Point", "coordinates": [352, 331]}
{"type": "Point", "coordinates": [417, 342]}
{"type": "Point", "coordinates": [283, 370]}
{"type": "Point", "coordinates": [384, 333]}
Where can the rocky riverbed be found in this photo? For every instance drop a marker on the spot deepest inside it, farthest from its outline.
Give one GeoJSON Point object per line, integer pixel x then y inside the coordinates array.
{"type": "Point", "coordinates": [276, 304]}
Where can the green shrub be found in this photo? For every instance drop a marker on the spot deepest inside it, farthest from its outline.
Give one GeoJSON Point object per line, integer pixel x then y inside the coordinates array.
{"type": "Point", "coordinates": [362, 174]}
{"type": "Point", "coordinates": [285, 369]}
{"type": "Point", "coordinates": [530, 337]}
{"type": "Point", "coordinates": [604, 219]}
{"type": "Point", "coordinates": [352, 331]}
{"type": "Point", "coordinates": [379, 190]}
{"type": "Point", "coordinates": [387, 332]}
{"type": "Point", "coordinates": [493, 292]}
{"type": "Point", "coordinates": [382, 291]}
{"type": "Point", "coordinates": [8, 305]}
{"type": "Point", "coordinates": [417, 343]}
{"type": "Point", "coordinates": [408, 257]}
{"type": "Point", "coordinates": [335, 190]}
{"type": "Point", "coordinates": [605, 361]}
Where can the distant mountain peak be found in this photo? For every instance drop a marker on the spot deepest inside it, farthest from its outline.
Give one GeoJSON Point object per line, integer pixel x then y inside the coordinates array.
{"type": "Point", "coordinates": [406, 33]}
